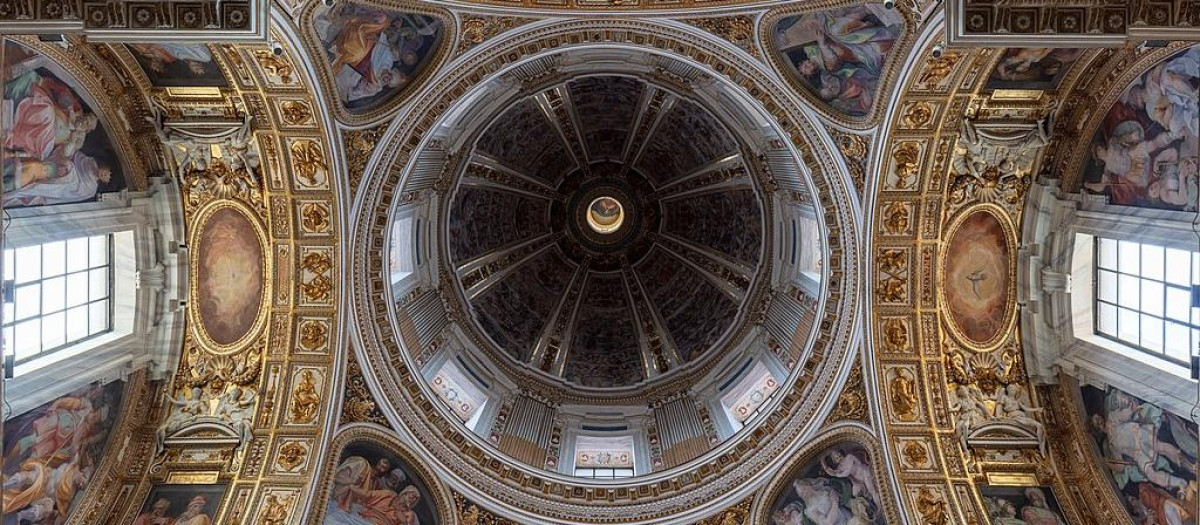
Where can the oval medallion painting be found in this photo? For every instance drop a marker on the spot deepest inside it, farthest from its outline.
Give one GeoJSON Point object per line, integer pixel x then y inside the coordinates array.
{"type": "Point", "coordinates": [229, 275]}
{"type": "Point", "coordinates": [976, 280]}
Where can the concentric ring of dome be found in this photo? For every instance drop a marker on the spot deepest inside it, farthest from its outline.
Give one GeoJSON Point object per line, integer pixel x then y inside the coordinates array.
{"type": "Point", "coordinates": [606, 309]}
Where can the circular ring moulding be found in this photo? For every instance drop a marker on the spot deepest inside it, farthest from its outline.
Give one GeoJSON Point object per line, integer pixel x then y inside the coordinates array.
{"type": "Point", "coordinates": [606, 249]}
{"type": "Point", "coordinates": [605, 215]}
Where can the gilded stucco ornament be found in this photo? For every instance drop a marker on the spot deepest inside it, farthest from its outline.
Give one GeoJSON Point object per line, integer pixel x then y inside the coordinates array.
{"type": "Point", "coordinates": [478, 28]}
{"type": "Point", "coordinates": [956, 407]}
{"type": "Point", "coordinates": [993, 162]}
{"type": "Point", "coordinates": [852, 402]}
{"type": "Point", "coordinates": [932, 507]}
{"type": "Point", "coordinates": [226, 416]}
{"type": "Point", "coordinates": [857, 151]}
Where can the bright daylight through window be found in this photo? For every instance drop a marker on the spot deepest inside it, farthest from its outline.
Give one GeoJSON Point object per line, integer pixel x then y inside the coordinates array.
{"type": "Point", "coordinates": [61, 295]}
{"type": "Point", "coordinates": [1143, 298]}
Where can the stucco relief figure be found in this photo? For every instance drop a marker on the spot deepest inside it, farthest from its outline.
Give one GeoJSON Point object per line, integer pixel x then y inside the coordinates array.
{"type": "Point", "coordinates": [51, 453]}
{"type": "Point", "coordinates": [375, 53]}
{"type": "Point", "coordinates": [55, 149]}
{"type": "Point", "coordinates": [840, 54]}
{"type": "Point", "coordinates": [837, 488]}
{"type": "Point", "coordinates": [1151, 455]}
{"type": "Point", "coordinates": [1146, 151]}
{"type": "Point", "coordinates": [372, 487]}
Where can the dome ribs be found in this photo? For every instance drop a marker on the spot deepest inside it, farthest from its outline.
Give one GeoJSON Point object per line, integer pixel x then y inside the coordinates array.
{"type": "Point", "coordinates": [727, 222]}
{"type": "Point", "coordinates": [525, 140]}
{"type": "Point", "coordinates": [653, 105]}
{"type": "Point", "coordinates": [490, 219]}
{"type": "Point", "coordinates": [604, 350]}
{"type": "Point", "coordinates": [516, 306]}
{"type": "Point", "coordinates": [686, 139]}
{"type": "Point", "coordinates": [605, 108]}
{"type": "Point", "coordinates": [548, 355]}
{"type": "Point", "coordinates": [694, 309]}
{"type": "Point", "coordinates": [486, 171]}
{"type": "Point", "coordinates": [561, 114]}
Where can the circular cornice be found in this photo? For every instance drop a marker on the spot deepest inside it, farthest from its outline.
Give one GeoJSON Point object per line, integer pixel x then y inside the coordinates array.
{"type": "Point", "coordinates": [649, 391]}
{"type": "Point", "coordinates": [681, 494]}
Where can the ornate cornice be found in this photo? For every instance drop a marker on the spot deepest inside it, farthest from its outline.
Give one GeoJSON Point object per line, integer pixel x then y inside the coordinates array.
{"type": "Point", "coordinates": [729, 471]}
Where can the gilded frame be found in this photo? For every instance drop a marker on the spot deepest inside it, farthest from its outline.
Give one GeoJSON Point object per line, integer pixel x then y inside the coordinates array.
{"type": "Point", "coordinates": [199, 222]}
{"type": "Point", "coordinates": [1010, 304]}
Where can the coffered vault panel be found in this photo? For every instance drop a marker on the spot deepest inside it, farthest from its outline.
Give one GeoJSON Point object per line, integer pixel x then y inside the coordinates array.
{"type": "Point", "coordinates": [524, 140]}
{"type": "Point", "coordinates": [605, 108]}
{"type": "Point", "coordinates": [724, 221]}
{"type": "Point", "coordinates": [491, 218]}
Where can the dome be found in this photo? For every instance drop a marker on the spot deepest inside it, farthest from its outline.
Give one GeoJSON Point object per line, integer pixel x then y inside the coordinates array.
{"type": "Point", "coordinates": [609, 252]}
{"type": "Point", "coordinates": [612, 243]}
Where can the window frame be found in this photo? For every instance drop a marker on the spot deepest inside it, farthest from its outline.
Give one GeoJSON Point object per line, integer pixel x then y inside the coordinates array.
{"type": "Point", "coordinates": [1097, 301]}
{"type": "Point", "coordinates": [108, 298]}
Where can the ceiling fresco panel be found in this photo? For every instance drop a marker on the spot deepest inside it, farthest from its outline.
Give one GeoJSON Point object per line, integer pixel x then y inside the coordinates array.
{"type": "Point", "coordinates": [230, 271]}
{"type": "Point", "coordinates": [1033, 68]}
{"type": "Point", "coordinates": [977, 287]}
{"type": "Point", "coordinates": [57, 151]}
{"type": "Point", "coordinates": [178, 65]}
{"type": "Point", "coordinates": [1150, 481]}
{"type": "Point", "coordinates": [65, 438]}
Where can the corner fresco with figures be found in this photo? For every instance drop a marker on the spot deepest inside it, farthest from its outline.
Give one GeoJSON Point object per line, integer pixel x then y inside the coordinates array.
{"type": "Point", "coordinates": [1146, 151]}
{"type": "Point", "coordinates": [839, 55]}
{"type": "Point", "coordinates": [837, 487]}
{"type": "Point", "coordinates": [52, 452]}
{"type": "Point", "coordinates": [56, 151]}
{"type": "Point", "coordinates": [375, 486]}
{"type": "Point", "coordinates": [1149, 453]}
{"type": "Point", "coordinates": [374, 54]}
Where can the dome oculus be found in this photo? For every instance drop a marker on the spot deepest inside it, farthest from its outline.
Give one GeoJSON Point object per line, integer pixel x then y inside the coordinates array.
{"type": "Point", "coordinates": [605, 215]}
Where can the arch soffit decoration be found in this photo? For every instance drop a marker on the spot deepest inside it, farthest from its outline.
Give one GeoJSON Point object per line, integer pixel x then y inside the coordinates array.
{"type": "Point", "coordinates": [421, 418]}
{"type": "Point", "coordinates": [293, 220]}
{"type": "Point", "coordinates": [938, 482]}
